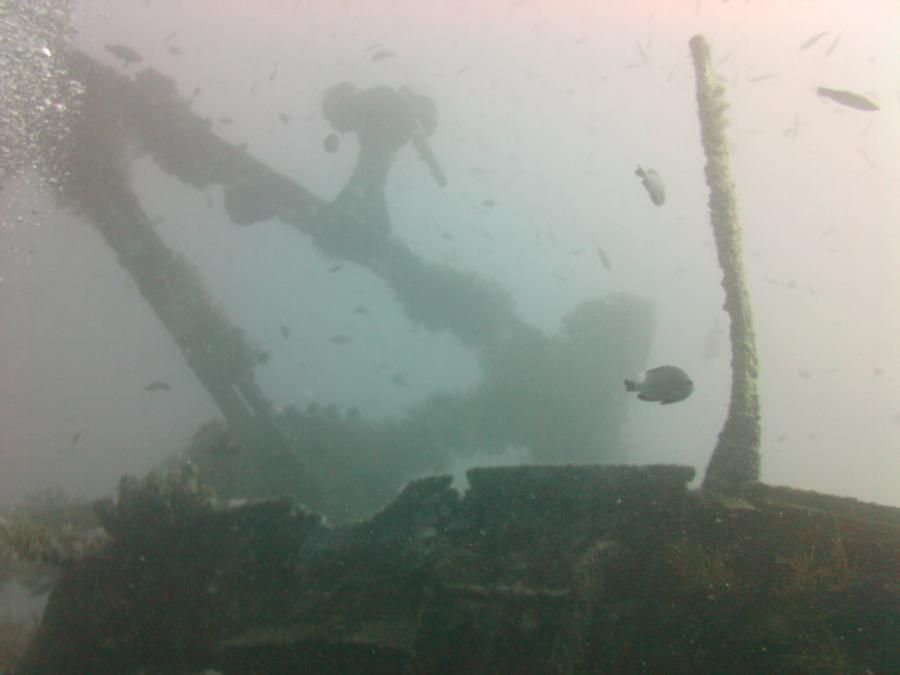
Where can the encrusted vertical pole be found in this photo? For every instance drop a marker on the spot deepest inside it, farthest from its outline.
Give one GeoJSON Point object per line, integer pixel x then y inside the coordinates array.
{"type": "Point", "coordinates": [735, 459]}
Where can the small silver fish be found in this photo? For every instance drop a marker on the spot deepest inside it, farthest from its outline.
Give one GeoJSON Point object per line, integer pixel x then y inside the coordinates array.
{"type": "Point", "coordinates": [382, 54]}
{"type": "Point", "coordinates": [158, 385]}
{"type": "Point", "coordinates": [124, 52]}
{"type": "Point", "coordinates": [848, 98]}
{"type": "Point", "coordinates": [813, 40]}
{"type": "Point", "coordinates": [665, 384]}
{"type": "Point", "coordinates": [654, 185]}
{"type": "Point", "coordinates": [604, 259]}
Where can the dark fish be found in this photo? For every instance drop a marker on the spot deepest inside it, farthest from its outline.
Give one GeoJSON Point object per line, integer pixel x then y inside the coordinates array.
{"type": "Point", "coordinates": [653, 184]}
{"type": "Point", "coordinates": [382, 54]}
{"type": "Point", "coordinates": [331, 143]}
{"type": "Point", "coordinates": [196, 93]}
{"type": "Point", "coordinates": [175, 50]}
{"type": "Point", "coordinates": [490, 203]}
{"type": "Point", "coordinates": [762, 78]}
{"type": "Point", "coordinates": [361, 310]}
{"type": "Point", "coordinates": [813, 40]}
{"type": "Point", "coordinates": [833, 46]}
{"type": "Point", "coordinates": [805, 374]}
{"type": "Point", "coordinates": [665, 384]}
{"type": "Point", "coordinates": [604, 259]}
{"type": "Point", "coordinates": [274, 72]}
{"type": "Point", "coordinates": [285, 118]}
{"type": "Point", "coordinates": [285, 331]}
{"type": "Point", "coordinates": [339, 339]}
{"type": "Point", "coordinates": [847, 98]}
{"type": "Point", "coordinates": [75, 438]}
{"type": "Point", "coordinates": [171, 35]}
{"type": "Point", "coordinates": [226, 120]}
{"type": "Point", "coordinates": [399, 379]}
{"type": "Point", "coordinates": [127, 54]}
{"type": "Point", "coordinates": [336, 268]}
{"type": "Point", "coordinates": [158, 385]}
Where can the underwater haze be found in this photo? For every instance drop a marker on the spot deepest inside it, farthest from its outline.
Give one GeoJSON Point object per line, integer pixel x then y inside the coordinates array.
{"type": "Point", "coordinates": [544, 112]}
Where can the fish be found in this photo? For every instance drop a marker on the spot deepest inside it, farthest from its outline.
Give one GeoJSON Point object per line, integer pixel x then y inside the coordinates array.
{"type": "Point", "coordinates": [761, 78]}
{"type": "Point", "coordinates": [158, 385]}
{"type": "Point", "coordinates": [336, 268]}
{"type": "Point", "coordinates": [848, 98]}
{"type": "Point", "coordinates": [726, 57]}
{"type": "Point", "coordinates": [274, 72]}
{"type": "Point", "coordinates": [399, 380]}
{"type": "Point", "coordinates": [653, 184]}
{"type": "Point", "coordinates": [813, 40]}
{"type": "Point", "coordinates": [361, 310]}
{"type": "Point", "coordinates": [644, 59]}
{"type": "Point", "coordinates": [872, 164]}
{"type": "Point", "coordinates": [285, 331]}
{"type": "Point", "coordinates": [171, 36]}
{"type": "Point", "coordinates": [665, 384]}
{"type": "Point", "coordinates": [833, 46]}
{"type": "Point", "coordinates": [792, 131]}
{"type": "Point", "coordinates": [490, 203]}
{"type": "Point", "coordinates": [331, 143]}
{"type": "Point", "coordinates": [285, 118]}
{"type": "Point", "coordinates": [604, 259]}
{"type": "Point", "coordinates": [75, 438]}
{"type": "Point", "coordinates": [339, 339]}
{"type": "Point", "coordinates": [226, 120]}
{"type": "Point", "coordinates": [805, 374]}
{"type": "Point", "coordinates": [175, 50]}
{"type": "Point", "coordinates": [124, 52]}
{"type": "Point", "coordinates": [382, 54]}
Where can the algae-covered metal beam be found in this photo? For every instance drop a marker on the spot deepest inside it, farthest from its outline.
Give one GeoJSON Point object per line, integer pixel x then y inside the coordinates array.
{"type": "Point", "coordinates": [93, 180]}
{"type": "Point", "coordinates": [735, 459]}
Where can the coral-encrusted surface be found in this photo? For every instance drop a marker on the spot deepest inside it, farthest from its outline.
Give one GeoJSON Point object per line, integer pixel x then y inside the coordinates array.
{"type": "Point", "coordinates": [535, 569]}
